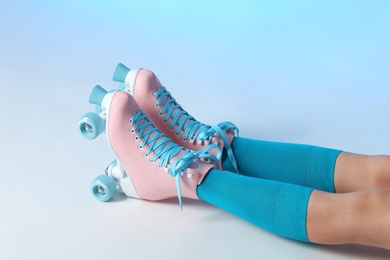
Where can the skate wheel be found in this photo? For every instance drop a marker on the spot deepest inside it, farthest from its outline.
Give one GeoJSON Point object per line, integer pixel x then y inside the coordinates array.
{"type": "Point", "coordinates": [103, 188]}
{"type": "Point", "coordinates": [91, 125]}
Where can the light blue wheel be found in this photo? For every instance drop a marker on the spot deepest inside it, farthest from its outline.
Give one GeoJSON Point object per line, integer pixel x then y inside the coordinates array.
{"type": "Point", "coordinates": [91, 125]}
{"type": "Point", "coordinates": [103, 188]}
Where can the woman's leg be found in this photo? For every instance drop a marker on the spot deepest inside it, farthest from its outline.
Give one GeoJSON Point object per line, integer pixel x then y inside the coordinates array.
{"type": "Point", "coordinates": [302, 213]}
{"type": "Point", "coordinates": [361, 217]}
{"type": "Point", "coordinates": [355, 172]}
{"type": "Point", "coordinates": [274, 206]}
{"type": "Point", "coordinates": [320, 168]}
{"type": "Point", "coordinates": [303, 165]}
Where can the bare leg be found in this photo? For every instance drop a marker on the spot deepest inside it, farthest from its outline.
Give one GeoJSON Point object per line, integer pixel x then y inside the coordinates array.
{"type": "Point", "coordinates": [361, 217]}
{"type": "Point", "coordinates": [355, 172]}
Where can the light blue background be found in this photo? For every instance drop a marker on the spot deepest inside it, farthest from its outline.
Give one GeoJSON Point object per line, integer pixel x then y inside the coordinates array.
{"type": "Point", "coordinates": [294, 71]}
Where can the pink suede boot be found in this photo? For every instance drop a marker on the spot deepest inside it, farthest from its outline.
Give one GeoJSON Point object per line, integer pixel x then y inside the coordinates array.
{"type": "Point", "coordinates": [169, 116]}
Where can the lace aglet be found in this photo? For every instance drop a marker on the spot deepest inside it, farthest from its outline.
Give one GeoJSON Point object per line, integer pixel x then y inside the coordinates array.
{"type": "Point", "coordinates": [179, 191]}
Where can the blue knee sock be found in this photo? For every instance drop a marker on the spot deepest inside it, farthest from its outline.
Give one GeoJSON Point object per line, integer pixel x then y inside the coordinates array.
{"type": "Point", "coordinates": [303, 165]}
{"type": "Point", "coordinates": [274, 206]}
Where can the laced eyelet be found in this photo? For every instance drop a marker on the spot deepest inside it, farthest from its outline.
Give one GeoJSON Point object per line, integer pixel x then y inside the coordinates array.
{"type": "Point", "coordinates": [206, 160]}
{"type": "Point", "coordinates": [136, 138]}
{"type": "Point", "coordinates": [132, 131]}
{"type": "Point", "coordinates": [154, 95]}
{"type": "Point", "coordinates": [131, 120]}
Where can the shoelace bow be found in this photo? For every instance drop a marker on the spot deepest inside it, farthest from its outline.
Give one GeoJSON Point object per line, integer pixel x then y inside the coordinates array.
{"type": "Point", "coordinates": [165, 149]}
{"type": "Point", "coordinates": [193, 129]}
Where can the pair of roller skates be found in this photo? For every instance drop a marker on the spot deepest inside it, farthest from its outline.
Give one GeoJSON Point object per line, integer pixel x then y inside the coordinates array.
{"type": "Point", "coordinates": [160, 150]}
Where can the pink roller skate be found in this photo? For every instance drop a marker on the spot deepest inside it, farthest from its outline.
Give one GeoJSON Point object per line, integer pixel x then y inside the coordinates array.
{"type": "Point", "coordinates": [146, 160]}
{"type": "Point", "coordinates": [169, 116]}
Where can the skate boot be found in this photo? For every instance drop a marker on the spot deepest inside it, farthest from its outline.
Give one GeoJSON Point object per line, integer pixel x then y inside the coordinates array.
{"type": "Point", "coordinates": [169, 116]}
{"type": "Point", "coordinates": [148, 164]}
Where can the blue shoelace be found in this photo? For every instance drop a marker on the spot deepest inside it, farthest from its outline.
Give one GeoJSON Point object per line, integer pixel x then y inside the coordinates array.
{"type": "Point", "coordinates": [193, 129]}
{"type": "Point", "coordinates": [165, 149]}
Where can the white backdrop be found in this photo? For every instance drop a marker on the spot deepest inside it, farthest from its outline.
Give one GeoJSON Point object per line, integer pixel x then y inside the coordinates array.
{"type": "Point", "coordinates": [300, 71]}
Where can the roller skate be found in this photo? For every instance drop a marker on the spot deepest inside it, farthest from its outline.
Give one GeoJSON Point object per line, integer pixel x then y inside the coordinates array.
{"type": "Point", "coordinates": [148, 164]}
{"type": "Point", "coordinates": [169, 116]}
